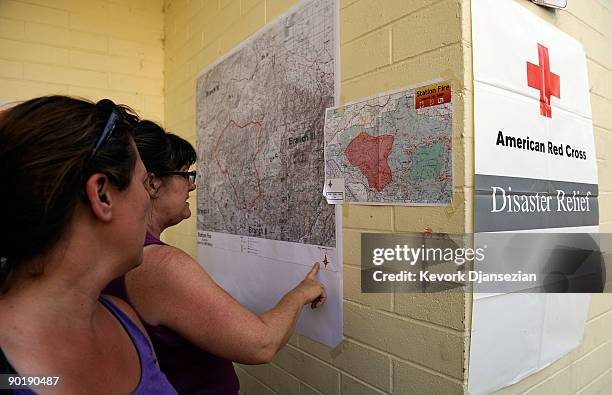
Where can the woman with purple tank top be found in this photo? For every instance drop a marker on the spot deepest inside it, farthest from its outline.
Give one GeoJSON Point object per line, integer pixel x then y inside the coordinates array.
{"type": "Point", "coordinates": [74, 205]}
{"type": "Point", "coordinates": [197, 328]}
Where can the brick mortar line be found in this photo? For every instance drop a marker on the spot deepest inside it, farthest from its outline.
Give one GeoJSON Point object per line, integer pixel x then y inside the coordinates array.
{"type": "Point", "coordinates": [107, 88]}
{"type": "Point", "coordinates": [258, 380]}
{"type": "Point", "coordinates": [25, 39]}
{"type": "Point", "coordinates": [605, 5]}
{"type": "Point", "coordinates": [399, 62]}
{"type": "Point", "coordinates": [423, 323]}
{"type": "Point", "coordinates": [24, 80]}
{"type": "Point", "coordinates": [585, 23]}
{"type": "Point", "coordinates": [370, 230]}
{"type": "Point", "coordinates": [308, 385]}
{"type": "Point", "coordinates": [599, 316]}
{"type": "Point", "coordinates": [391, 376]}
{"type": "Point", "coordinates": [593, 381]}
{"type": "Point", "coordinates": [184, 62]}
{"type": "Point", "coordinates": [50, 6]}
{"type": "Point", "coordinates": [69, 66]}
{"type": "Point", "coordinates": [348, 5]}
{"type": "Point", "coordinates": [366, 384]}
{"type": "Point", "coordinates": [389, 231]}
{"type": "Point", "coordinates": [388, 23]}
{"type": "Point", "coordinates": [71, 29]}
{"type": "Point", "coordinates": [186, 42]}
{"type": "Point", "coordinates": [417, 365]}
{"type": "Point", "coordinates": [598, 63]}
{"type": "Point", "coordinates": [56, 85]}
{"type": "Point", "coordinates": [336, 369]}
{"type": "Point", "coordinates": [108, 73]}
{"type": "Point", "coordinates": [446, 45]}
{"type": "Point", "coordinates": [608, 99]}
{"type": "Point", "coordinates": [339, 369]}
{"type": "Point", "coordinates": [569, 365]}
{"type": "Point", "coordinates": [182, 102]}
{"type": "Point", "coordinates": [602, 127]}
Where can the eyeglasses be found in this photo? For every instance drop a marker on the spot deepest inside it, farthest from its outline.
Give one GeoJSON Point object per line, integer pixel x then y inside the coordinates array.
{"type": "Point", "coordinates": [188, 175]}
{"type": "Point", "coordinates": [107, 132]}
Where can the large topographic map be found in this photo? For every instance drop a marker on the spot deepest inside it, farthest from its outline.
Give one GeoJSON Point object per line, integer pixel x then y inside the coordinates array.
{"type": "Point", "coordinates": [393, 148]}
{"type": "Point", "coordinates": [262, 221]}
{"type": "Point", "coordinates": [260, 117]}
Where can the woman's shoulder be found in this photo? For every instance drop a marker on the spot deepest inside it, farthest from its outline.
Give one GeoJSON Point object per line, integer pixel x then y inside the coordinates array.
{"type": "Point", "coordinates": [126, 309]}
{"type": "Point", "coordinates": [163, 254]}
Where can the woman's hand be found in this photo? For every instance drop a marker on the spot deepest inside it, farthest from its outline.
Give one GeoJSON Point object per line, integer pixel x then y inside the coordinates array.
{"type": "Point", "coordinates": [311, 290]}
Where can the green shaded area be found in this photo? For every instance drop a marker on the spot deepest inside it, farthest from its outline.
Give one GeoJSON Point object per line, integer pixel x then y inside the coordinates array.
{"type": "Point", "coordinates": [427, 162]}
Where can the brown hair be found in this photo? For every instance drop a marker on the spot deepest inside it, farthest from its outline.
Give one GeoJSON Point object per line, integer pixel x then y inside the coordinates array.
{"type": "Point", "coordinates": [45, 146]}
{"type": "Point", "coordinates": [162, 152]}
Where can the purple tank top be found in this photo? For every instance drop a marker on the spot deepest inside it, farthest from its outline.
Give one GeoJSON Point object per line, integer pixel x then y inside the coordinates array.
{"type": "Point", "coordinates": [190, 369]}
{"type": "Point", "coordinates": [152, 380]}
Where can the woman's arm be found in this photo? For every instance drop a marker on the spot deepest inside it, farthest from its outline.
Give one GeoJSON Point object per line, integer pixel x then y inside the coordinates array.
{"type": "Point", "coordinates": [170, 288]}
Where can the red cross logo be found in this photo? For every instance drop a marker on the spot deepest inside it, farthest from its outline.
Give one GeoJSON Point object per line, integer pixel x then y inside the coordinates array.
{"type": "Point", "coordinates": [540, 77]}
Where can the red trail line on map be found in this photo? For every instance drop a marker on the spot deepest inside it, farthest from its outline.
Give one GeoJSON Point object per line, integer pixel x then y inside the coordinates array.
{"type": "Point", "coordinates": [246, 204]}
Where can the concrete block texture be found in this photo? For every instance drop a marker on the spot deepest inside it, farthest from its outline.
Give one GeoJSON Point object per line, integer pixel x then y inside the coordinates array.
{"type": "Point", "coordinates": [12, 29]}
{"type": "Point", "coordinates": [34, 13]}
{"type": "Point", "coordinates": [251, 385]}
{"type": "Point", "coordinates": [367, 217]}
{"type": "Point", "coordinates": [447, 219]}
{"type": "Point", "coordinates": [363, 16]}
{"type": "Point", "coordinates": [90, 49]}
{"type": "Point", "coordinates": [366, 53]}
{"type": "Point", "coordinates": [378, 53]}
{"type": "Point", "coordinates": [412, 36]}
{"type": "Point", "coordinates": [274, 377]}
{"type": "Point", "coordinates": [603, 142]}
{"type": "Point", "coordinates": [422, 343]}
{"type": "Point", "coordinates": [445, 62]}
{"type": "Point", "coordinates": [408, 379]}
{"type": "Point", "coordinates": [316, 373]}
{"type": "Point", "coordinates": [352, 291]}
{"type": "Point", "coordinates": [350, 386]}
{"type": "Point", "coordinates": [444, 308]}
{"type": "Point", "coordinates": [368, 364]}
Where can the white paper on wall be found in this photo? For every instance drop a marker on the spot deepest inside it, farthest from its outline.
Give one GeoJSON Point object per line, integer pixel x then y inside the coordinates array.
{"type": "Point", "coordinates": [530, 84]}
{"type": "Point", "coordinates": [262, 222]}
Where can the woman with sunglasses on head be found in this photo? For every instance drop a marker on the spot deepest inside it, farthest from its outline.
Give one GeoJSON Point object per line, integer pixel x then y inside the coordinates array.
{"type": "Point", "coordinates": [196, 327]}
{"type": "Point", "coordinates": [73, 203]}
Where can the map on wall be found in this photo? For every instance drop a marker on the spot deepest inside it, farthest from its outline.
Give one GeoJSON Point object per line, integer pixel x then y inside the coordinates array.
{"type": "Point", "coordinates": [260, 114]}
{"type": "Point", "coordinates": [395, 148]}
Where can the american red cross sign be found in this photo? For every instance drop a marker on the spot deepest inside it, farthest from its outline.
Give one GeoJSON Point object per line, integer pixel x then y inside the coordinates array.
{"type": "Point", "coordinates": [540, 77]}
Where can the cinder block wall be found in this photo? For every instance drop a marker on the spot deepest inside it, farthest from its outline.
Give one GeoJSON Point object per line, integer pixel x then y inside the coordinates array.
{"type": "Point", "coordinates": [393, 344]}
{"type": "Point", "coordinates": [403, 344]}
{"type": "Point", "coordinates": [588, 369]}
{"type": "Point", "coordinates": [92, 49]}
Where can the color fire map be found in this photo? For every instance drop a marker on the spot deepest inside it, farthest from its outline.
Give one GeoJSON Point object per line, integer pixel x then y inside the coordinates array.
{"type": "Point", "coordinates": [395, 148]}
{"type": "Point", "coordinates": [260, 110]}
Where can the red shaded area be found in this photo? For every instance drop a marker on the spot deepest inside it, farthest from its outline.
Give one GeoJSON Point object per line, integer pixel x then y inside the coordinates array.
{"type": "Point", "coordinates": [540, 77]}
{"type": "Point", "coordinates": [370, 154]}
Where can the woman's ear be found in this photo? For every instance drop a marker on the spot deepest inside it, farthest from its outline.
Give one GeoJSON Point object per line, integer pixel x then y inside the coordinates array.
{"type": "Point", "coordinates": [100, 196]}
{"type": "Point", "coordinates": [153, 185]}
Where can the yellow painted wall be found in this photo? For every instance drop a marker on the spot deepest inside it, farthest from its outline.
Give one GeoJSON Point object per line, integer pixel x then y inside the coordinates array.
{"type": "Point", "coordinates": [86, 48]}
{"type": "Point", "coordinates": [147, 53]}
{"type": "Point", "coordinates": [401, 343]}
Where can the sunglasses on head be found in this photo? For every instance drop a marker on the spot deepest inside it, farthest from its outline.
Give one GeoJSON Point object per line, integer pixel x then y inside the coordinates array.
{"type": "Point", "coordinates": [109, 127]}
